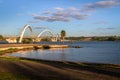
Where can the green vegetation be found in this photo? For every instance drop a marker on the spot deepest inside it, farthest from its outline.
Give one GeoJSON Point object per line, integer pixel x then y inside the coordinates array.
{"type": "Point", "coordinates": [1, 38]}
{"type": "Point", "coordinates": [13, 67]}
{"type": "Point", "coordinates": [45, 39]}
{"type": "Point", "coordinates": [10, 59]}
{"type": "Point", "coordinates": [27, 40]}
{"type": "Point", "coordinates": [10, 50]}
{"type": "Point", "coordinates": [75, 38]}
{"type": "Point", "coordinates": [102, 38]}
{"type": "Point", "coordinates": [10, 76]}
{"type": "Point", "coordinates": [63, 34]}
{"type": "Point", "coordinates": [46, 47]}
{"type": "Point", "coordinates": [106, 38]}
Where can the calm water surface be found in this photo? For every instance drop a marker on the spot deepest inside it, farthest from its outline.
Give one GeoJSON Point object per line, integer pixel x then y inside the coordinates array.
{"type": "Point", "coordinates": [97, 52]}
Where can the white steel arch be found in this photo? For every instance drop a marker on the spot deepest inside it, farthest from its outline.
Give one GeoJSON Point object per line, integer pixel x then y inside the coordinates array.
{"type": "Point", "coordinates": [46, 30]}
{"type": "Point", "coordinates": [23, 31]}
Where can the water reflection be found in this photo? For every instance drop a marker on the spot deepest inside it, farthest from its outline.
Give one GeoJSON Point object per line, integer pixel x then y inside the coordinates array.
{"type": "Point", "coordinates": [100, 52]}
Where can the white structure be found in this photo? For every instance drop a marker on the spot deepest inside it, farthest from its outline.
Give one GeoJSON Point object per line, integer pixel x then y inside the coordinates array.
{"type": "Point", "coordinates": [38, 38]}
{"type": "Point", "coordinates": [46, 30]}
{"type": "Point", "coordinates": [11, 40]}
{"type": "Point", "coordinates": [23, 31]}
{"type": "Point", "coordinates": [39, 35]}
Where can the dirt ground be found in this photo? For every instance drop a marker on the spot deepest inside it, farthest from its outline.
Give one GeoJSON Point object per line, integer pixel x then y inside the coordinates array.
{"type": "Point", "coordinates": [42, 70]}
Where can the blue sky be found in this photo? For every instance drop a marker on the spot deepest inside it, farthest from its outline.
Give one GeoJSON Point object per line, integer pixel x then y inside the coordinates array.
{"type": "Point", "coordinates": [76, 17]}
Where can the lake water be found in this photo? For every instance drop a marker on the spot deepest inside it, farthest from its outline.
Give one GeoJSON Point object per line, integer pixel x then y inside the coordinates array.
{"type": "Point", "coordinates": [96, 52]}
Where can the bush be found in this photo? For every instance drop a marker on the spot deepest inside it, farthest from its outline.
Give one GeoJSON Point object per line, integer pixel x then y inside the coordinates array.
{"type": "Point", "coordinates": [46, 47]}
{"type": "Point", "coordinates": [27, 40]}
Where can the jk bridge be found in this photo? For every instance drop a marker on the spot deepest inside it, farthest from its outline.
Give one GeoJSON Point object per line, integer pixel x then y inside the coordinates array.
{"type": "Point", "coordinates": [13, 39]}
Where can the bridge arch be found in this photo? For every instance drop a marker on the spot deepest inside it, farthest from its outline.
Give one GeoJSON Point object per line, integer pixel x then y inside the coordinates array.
{"type": "Point", "coordinates": [23, 31]}
{"type": "Point", "coordinates": [46, 30]}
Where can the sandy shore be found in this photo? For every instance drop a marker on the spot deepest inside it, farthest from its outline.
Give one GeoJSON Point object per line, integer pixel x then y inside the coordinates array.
{"type": "Point", "coordinates": [27, 69]}
{"type": "Point", "coordinates": [4, 47]}
{"type": "Point", "coordinates": [10, 48]}
{"type": "Point", "coordinates": [29, 45]}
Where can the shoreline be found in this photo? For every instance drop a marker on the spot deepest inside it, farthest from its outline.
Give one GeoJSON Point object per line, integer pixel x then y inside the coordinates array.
{"type": "Point", "coordinates": [9, 48]}
{"type": "Point", "coordinates": [20, 68]}
{"type": "Point", "coordinates": [20, 46]}
{"type": "Point", "coordinates": [52, 70]}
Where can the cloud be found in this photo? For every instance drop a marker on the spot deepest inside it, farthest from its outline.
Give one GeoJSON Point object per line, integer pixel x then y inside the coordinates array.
{"type": "Point", "coordinates": [33, 21]}
{"type": "Point", "coordinates": [101, 22]}
{"type": "Point", "coordinates": [50, 18]}
{"type": "Point", "coordinates": [110, 28]}
{"type": "Point", "coordinates": [46, 12]}
{"type": "Point", "coordinates": [40, 27]}
{"type": "Point", "coordinates": [59, 9]}
{"type": "Point", "coordinates": [68, 14]}
{"type": "Point", "coordinates": [101, 4]}
{"type": "Point", "coordinates": [61, 14]}
{"type": "Point", "coordinates": [80, 16]}
{"type": "Point", "coordinates": [106, 28]}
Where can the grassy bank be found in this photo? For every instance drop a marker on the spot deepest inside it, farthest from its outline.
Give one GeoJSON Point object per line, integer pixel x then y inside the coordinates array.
{"type": "Point", "coordinates": [31, 69]}
{"type": "Point", "coordinates": [11, 50]}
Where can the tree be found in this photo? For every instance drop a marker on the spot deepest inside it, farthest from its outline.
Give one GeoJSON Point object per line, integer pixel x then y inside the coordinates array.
{"type": "Point", "coordinates": [63, 34]}
{"type": "Point", "coordinates": [1, 37]}
{"type": "Point", "coordinates": [111, 38]}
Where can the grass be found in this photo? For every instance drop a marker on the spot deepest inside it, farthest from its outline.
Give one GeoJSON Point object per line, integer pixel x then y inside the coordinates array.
{"type": "Point", "coordinates": [105, 69]}
{"type": "Point", "coordinates": [10, 58]}
{"type": "Point", "coordinates": [10, 76]}
{"type": "Point", "coordinates": [11, 50]}
{"type": "Point", "coordinates": [77, 64]}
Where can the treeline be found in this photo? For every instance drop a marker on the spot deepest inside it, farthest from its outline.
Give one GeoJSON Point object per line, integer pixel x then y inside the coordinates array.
{"type": "Point", "coordinates": [103, 38]}
{"type": "Point", "coordinates": [96, 38]}
{"type": "Point", "coordinates": [109, 38]}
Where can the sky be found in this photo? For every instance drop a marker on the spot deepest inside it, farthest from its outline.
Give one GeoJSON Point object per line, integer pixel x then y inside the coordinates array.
{"type": "Point", "coordinates": [76, 17]}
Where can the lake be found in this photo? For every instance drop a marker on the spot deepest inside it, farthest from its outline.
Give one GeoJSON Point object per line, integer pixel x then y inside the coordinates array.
{"type": "Point", "coordinates": [95, 52]}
